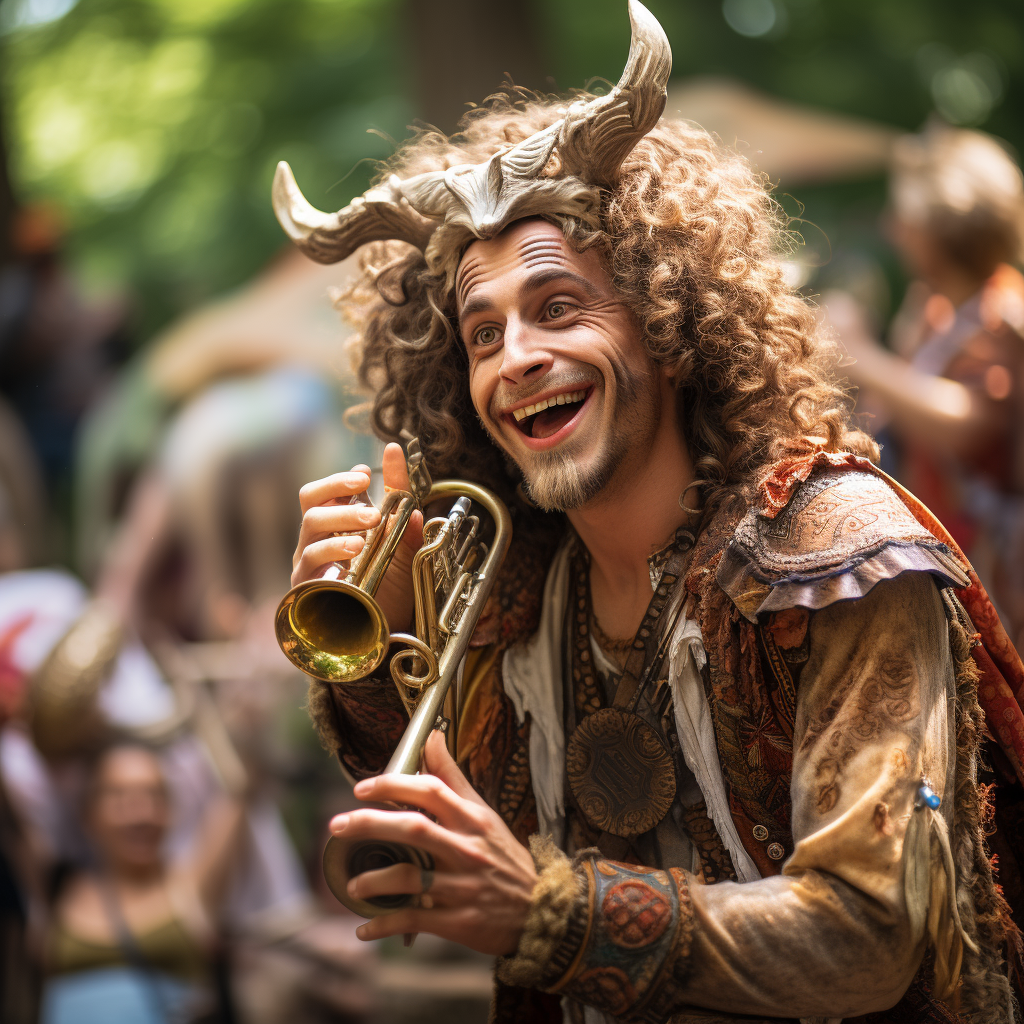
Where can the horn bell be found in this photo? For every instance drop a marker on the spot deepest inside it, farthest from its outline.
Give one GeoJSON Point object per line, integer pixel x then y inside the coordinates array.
{"type": "Point", "coordinates": [330, 237]}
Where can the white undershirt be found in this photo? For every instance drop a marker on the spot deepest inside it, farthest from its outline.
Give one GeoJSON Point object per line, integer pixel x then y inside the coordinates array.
{"type": "Point", "coordinates": [532, 673]}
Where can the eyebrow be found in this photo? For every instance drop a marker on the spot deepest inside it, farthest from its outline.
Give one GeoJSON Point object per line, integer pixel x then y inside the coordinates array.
{"type": "Point", "coordinates": [537, 280]}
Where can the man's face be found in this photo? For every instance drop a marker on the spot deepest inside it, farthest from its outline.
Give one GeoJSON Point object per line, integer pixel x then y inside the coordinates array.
{"type": "Point", "coordinates": [558, 372]}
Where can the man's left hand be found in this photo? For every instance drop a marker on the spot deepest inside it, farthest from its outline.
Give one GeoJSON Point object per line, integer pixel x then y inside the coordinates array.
{"type": "Point", "coordinates": [483, 877]}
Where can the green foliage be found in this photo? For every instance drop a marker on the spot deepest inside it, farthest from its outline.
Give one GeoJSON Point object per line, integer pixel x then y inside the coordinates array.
{"type": "Point", "coordinates": [891, 60]}
{"type": "Point", "coordinates": [897, 62]}
{"type": "Point", "coordinates": [155, 126]}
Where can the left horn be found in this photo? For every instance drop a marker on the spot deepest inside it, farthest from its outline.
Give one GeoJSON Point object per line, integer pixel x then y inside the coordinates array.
{"type": "Point", "coordinates": [331, 237]}
{"type": "Point", "coordinates": [597, 136]}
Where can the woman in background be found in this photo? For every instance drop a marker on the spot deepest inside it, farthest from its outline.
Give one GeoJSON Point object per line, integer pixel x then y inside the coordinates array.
{"type": "Point", "coordinates": [950, 390]}
{"type": "Point", "coordinates": [133, 936]}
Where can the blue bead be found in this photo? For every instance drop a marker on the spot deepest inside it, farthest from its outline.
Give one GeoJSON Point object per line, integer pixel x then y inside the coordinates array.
{"type": "Point", "coordinates": [929, 797]}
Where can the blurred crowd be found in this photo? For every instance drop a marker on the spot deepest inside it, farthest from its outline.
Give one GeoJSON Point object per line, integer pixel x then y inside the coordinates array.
{"type": "Point", "coordinates": [162, 800]}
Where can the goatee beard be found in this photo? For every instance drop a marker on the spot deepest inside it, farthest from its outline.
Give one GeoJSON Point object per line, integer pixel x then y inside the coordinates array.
{"type": "Point", "coordinates": [557, 482]}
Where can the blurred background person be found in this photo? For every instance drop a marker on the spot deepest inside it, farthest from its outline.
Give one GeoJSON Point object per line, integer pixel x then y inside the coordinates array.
{"type": "Point", "coordinates": [133, 934]}
{"type": "Point", "coordinates": [949, 390]}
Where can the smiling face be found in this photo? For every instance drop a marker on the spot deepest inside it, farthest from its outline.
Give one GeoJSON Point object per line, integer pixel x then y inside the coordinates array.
{"type": "Point", "coordinates": [129, 811]}
{"type": "Point", "coordinates": [558, 372]}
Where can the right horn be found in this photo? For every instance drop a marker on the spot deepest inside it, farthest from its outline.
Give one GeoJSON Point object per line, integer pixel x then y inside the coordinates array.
{"type": "Point", "coordinates": [597, 136]}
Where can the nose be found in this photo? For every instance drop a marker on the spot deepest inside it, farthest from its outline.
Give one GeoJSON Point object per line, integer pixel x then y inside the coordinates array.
{"type": "Point", "coordinates": [524, 354]}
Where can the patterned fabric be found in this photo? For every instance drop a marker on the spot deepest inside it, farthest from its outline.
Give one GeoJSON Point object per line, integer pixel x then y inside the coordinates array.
{"type": "Point", "coordinates": [1001, 689]}
{"type": "Point", "coordinates": [753, 725]}
{"type": "Point", "coordinates": [640, 926]}
{"type": "Point", "coordinates": [371, 710]}
{"type": "Point", "coordinates": [716, 864]}
{"type": "Point", "coordinates": [842, 531]}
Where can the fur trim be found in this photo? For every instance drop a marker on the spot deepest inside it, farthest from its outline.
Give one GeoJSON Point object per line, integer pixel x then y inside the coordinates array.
{"type": "Point", "coordinates": [321, 709]}
{"type": "Point", "coordinates": [557, 890]}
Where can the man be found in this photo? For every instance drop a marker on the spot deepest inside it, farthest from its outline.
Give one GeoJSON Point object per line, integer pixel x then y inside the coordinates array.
{"type": "Point", "coordinates": [723, 648]}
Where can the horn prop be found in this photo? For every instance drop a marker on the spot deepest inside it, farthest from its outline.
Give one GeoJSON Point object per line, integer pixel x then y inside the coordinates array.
{"type": "Point", "coordinates": [378, 215]}
{"type": "Point", "coordinates": [598, 135]}
{"type": "Point", "coordinates": [479, 200]}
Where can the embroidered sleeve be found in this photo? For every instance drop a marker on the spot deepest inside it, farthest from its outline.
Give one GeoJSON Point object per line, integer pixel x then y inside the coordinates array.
{"type": "Point", "coordinates": [843, 930]}
{"type": "Point", "coordinates": [605, 934]}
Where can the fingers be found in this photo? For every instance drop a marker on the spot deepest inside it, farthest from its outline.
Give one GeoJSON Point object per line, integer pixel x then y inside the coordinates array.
{"type": "Point", "coordinates": [333, 487]}
{"type": "Point", "coordinates": [427, 792]}
{"type": "Point", "coordinates": [399, 878]}
{"type": "Point", "coordinates": [396, 472]}
{"type": "Point", "coordinates": [409, 827]}
{"type": "Point", "coordinates": [448, 923]}
{"type": "Point", "coordinates": [331, 549]}
{"type": "Point", "coordinates": [447, 890]}
{"type": "Point", "coordinates": [322, 521]}
{"type": "Point", "coordinates": [466, 924]}
{"type": "Point", "coordinates": [439, 762]}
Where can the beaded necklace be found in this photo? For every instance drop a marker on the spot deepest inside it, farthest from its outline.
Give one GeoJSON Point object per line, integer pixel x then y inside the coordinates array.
{"type": "Point", "coordinates": [620, 771]}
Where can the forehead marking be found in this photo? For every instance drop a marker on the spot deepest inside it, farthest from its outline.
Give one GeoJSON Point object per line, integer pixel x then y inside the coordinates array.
{"type": "Point", "coordinates": [468, 274]}
{"type": "Point", "coordinates": [542, 250]}
{"type": "Point", "coordinates": [530, 252]}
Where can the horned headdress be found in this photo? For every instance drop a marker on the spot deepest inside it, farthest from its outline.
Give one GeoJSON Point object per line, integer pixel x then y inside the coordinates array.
{"type": "Point", "coordinates": [441, 211]}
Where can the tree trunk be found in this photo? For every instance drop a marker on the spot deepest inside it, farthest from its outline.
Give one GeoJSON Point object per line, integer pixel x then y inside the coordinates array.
{"type": "Point", "coordinates": [462, 50]}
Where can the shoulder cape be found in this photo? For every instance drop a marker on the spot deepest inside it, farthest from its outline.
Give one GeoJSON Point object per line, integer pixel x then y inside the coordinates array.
{"type": "Point", "coordinates": [827, 526]}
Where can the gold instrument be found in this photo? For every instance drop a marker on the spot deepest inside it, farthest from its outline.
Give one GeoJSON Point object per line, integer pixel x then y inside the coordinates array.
{"type": "Point", "coordinates": [332, 628]}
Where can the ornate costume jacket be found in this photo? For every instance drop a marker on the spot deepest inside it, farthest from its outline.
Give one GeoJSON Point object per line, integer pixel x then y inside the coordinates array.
{"type": "Point", "coordinates": [848, 646]}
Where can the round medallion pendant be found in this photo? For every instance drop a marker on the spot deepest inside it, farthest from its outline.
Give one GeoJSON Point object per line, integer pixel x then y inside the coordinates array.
{"type": "Point", "coordinates": [620, 772]}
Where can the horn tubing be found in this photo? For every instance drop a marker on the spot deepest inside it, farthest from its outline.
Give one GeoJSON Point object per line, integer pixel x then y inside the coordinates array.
{"type": "Point", "coordinates": [409, 752]}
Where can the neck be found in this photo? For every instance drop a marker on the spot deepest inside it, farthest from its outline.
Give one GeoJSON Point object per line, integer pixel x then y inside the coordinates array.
{"type": "Point", "coordinates": [135, 876]}
{"type": "Point", "coordinates": [956, 285]}
{"type": "Point", "coordinates": [634, 516]}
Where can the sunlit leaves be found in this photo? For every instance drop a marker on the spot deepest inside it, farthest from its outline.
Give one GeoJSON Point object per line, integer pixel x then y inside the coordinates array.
{"type": "Point", "coordinates": [154, 126]}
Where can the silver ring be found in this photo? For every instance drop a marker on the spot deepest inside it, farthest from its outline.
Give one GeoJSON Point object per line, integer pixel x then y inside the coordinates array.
{"type": "Point", "coordinates": [425, 901]}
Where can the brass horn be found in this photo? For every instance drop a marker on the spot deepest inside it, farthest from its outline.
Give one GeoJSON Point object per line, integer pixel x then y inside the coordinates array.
{"type": "Point", "coordinates": [332, 628]}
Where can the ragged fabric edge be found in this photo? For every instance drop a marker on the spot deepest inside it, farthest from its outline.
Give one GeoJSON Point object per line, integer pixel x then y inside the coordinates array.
{"type": "Point", "coordinates": [697, 738]}
{"type": "Point", "coordinates": [324, 715]}
{"type": "Point", "coordinates": [555, 893]}
{"type": "Point", "coordinates": [984, 993]}
{"type": "Point", "coordinates": [753, 595]}
{"type": "Point", "coordinates": [532, 678]}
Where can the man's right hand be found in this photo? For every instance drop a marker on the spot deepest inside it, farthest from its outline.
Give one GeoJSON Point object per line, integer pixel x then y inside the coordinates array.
{"type": "Point", "coordinates": [336, 514]}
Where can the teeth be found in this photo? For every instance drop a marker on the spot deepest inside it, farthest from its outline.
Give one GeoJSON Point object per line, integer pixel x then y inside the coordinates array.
{"type": "Point", "coordinates": [546, 403]}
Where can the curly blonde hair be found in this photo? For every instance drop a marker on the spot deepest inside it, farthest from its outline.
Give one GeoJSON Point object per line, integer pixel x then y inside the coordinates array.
{"type": "Point", "coordinates": [694, 244]}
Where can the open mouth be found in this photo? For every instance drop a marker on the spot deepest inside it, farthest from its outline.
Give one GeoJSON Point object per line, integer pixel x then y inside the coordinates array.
{"type": "Point", "coordinates": [549, 415]}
